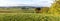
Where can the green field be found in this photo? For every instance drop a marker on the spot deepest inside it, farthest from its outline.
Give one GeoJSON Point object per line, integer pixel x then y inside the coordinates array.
{"type": "Point", "coordinates": [28, 17]}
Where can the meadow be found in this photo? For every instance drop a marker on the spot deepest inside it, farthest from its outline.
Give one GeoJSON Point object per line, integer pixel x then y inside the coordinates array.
{"type": "Point", "coordinates": [26, 15]}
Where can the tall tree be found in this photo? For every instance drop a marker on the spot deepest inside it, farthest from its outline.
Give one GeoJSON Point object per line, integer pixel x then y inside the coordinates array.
{"type": "Point", "coordinates": [55, 8]}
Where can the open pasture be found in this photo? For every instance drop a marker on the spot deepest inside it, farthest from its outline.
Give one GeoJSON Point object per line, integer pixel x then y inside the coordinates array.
{"type": "Point", "coordinates": [26, 15]}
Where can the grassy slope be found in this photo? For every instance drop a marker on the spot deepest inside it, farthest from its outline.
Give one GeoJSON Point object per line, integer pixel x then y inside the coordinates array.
{"type": "Point", "coordinates": [20, 16]}
{"type": "Point", "coordinates": [28, 17]}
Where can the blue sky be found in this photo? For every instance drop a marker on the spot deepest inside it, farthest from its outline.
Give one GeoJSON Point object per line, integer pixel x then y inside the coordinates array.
{"type": "Point", "coordinates": [26, 2]}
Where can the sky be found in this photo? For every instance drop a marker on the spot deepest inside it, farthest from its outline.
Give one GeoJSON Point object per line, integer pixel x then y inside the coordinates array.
{"type": "Point", "coordinates": [26, 2]}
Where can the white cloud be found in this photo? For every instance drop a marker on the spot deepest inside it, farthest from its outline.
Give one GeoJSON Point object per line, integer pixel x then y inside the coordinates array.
{"type": "Point", "coordinates": [26, 3]}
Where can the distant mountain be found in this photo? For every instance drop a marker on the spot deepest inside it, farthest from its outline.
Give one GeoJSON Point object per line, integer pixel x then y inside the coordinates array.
{"type": "Point", "coordinates": [20, 7]}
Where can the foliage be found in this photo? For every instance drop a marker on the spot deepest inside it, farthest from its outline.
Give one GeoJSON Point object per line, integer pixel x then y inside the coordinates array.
{"type": "Point", "coordinates": [55, 8]}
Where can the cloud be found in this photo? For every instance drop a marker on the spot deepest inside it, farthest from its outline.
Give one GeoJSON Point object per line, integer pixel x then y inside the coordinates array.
{"type": "Point", "coordinates": [26, 2]}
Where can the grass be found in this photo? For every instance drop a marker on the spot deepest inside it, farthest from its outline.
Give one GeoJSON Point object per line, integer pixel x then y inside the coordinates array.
{"type": "Point", "coordinates": [28, 17]}
{"type": "Point", "coordinates": [23, 15]}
